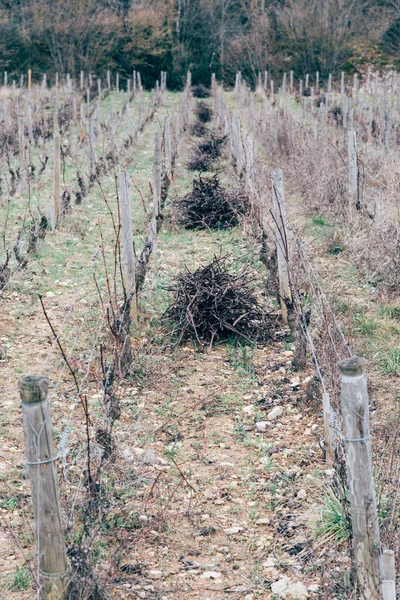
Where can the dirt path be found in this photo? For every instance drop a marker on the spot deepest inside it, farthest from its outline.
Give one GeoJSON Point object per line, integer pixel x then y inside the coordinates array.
{"type": "Point", "coordinates": [217, 472]}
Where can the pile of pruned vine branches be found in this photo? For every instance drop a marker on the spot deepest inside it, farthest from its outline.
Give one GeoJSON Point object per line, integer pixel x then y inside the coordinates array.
{"type": "Point", "coordinates": [213, 304]}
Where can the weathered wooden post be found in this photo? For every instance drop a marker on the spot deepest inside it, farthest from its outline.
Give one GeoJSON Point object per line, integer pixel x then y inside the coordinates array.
{"type": "Point", "coordinates": [249, 154]}
{"type": "Point", "coordinates": [388, 575]}
{"type": "Point", "coordinates": [364, 516]}
{"type": "Point", "coordinates": [128, 246]}
{"type": "Point", "coordinates": [40, 461]}
{"type": "Point", "coordinates": [157, 167]}
{"type": "Point", "coordinates": [353, 170]}
{"type": "Point", "coordinates": [30, 80]}
{"type": "Point", "coordinates": [55, 208]}
{"type": "Point", "coordinates": [167, 147]}
{"type": "Point", "coordinates": [328, 430]}
{"type": "Point", "coordinates": [281, 242]}
{"type": "Point", "coordinates": [90, 139]}
{"type": "Point", "coordinates": [238, 145]}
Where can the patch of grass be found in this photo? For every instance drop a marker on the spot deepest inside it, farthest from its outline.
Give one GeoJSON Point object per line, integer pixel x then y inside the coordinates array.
{"type": "Point", "coordinates": [390, 363]}
{"type": "Point", "coordinates": [9, 503]}
{"type": "Point", "coordinates": [367, 326]}
{"type": "Point", "coordinates": [241, 356]}
{"type": "Point", "coordinates": [22, 579]}
{"type": "Point", "coordinates": [334, 523]}
{"type": "Point", "coordinates": [341, 306]}
{"type": "Point", "coordinates": [392, 312]}
{"type": "Point", "coordinates": [335, 248]}
{"type": "Point", "coordinates": [319, 221]}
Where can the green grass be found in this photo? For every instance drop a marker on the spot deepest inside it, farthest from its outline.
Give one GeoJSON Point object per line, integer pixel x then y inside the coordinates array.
{"type": "Point", "coordinates": [390, 363]}
{"type": "Point", "coordinates": [319, 221]}
{"type": "Point", "coordinates": [9, 503]}
{"type": "Point", "coordinates": [22, 579]}
{"type": "Point", "coordinates": [334, 523]}
{"type": "Point", "coordinates": [392, 312]}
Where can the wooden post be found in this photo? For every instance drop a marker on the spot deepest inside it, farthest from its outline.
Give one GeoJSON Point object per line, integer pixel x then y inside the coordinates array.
{"type": "Point", "coordinates": [388, 575]}
{"type": "Point", "coordinates": [281, 242]}
{"type": "Point", "coordinates": [40, 460]}
{"type": "Point", "coordinates": [353, 171]}
{"type": "Point", "coordinates": [90, 139]}
{"type": "Point", "coordinates": [167, 147]}
{"type": "Point", "coordinates": [56, 206]}
{"type": "Point", "coordinates": [128, 246]}
{"type": "Point", "coordinates": [237, 141]}
{"type": "Point", "coordinates": [364, 516]}
{"type": "Point", "coordinates": [249, 154]}
{"type": "Point", "coordinates": [328, 429]}
{"type": "Point", "coordinates": [157, 175]}
{"type": "Point", "coordinates": [30, 80]}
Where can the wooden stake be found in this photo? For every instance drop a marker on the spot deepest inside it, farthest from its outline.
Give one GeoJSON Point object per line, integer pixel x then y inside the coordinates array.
{"type": "Point", "coordinates": [157, 175]}
{"type": "Point", "coordinates": [128, 246]}
{"type": "Point", "coordinates": [167, 147]}
{"type": "Point", "coordinates": [30, 80]}
{"type": "Point", "coordinates": [329, 433]}
{"type": "Point", "coordinates": [388, 575]}
{"type": "Point", "coordinates": [364, 516]}
{"type": "Point", "coordinates": [40, 457]}
{"type": "Point", "coordinates": [281, 243]}
{"type": "Point", "coordinates": [238, 145]}
{"type": "Point", "coordinates": [353, 171]}
{"type": "Point", "coordinates": [56, 207]}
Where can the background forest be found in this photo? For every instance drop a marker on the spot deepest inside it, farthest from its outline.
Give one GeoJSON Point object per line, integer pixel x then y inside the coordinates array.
{"type": "Point", "coordinates": [206, 36]}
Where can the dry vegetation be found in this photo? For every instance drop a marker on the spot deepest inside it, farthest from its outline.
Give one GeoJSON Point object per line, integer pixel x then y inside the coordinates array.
{"type": "Point", "coordinates": [194, 465]}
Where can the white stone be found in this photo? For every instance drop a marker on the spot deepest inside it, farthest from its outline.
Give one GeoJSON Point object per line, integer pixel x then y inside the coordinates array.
{"type": "Point", "coordinates": [262, 426]}
{"type": "Point", "coordinates": [275, 413]}
{"type": "Point", "coordinates": [50, 295]}
{"type": "Point", "coordinates": [128, 455]}
{"type": "Point", "coordinates": [154, 574]}
{"type": "Point", "coordinates": [263, 521]}
{"type": "Point", "coordinates": [211, 575]}
{"type": "Point", "coordinates": [296, 591]}
{"type": "Point", "coordinates": [249, 409]}
{"type": "Point", "coordinates": [301, 494]}
{"type": "Point", "coordinates": [314, 588]}
{"type": "Point", "coordinates": [143, 518]}
{"type": "Point", "coordinates": [233, 530]}
{"type": "Point", "coordinates": [279, 587]}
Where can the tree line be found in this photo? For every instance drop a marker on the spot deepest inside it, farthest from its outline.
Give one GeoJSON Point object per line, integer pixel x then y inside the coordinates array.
{"type": "Point", "coordinates": [205, 36]}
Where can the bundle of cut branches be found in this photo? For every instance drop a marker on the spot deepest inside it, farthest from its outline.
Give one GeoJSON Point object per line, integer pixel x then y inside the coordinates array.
{"type": "Point", "coordinates": [212, 304]}
{"type": "Point", "coordinates": [205, 153]}
{"type": "Point", "coordinates": [203, 112]}
{"type": "Point", "coordinates": [201, 91]}
{"type": "Point", "coordinates": [210, 206]}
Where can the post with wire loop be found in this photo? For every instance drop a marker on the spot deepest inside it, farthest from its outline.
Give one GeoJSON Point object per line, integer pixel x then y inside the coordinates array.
{"type": "Point", "coordinates": [40, 462]}
{"type": "Point", "coordinates": [364, 516]}
{"type": "Point", "coordinates": [279, 215]}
